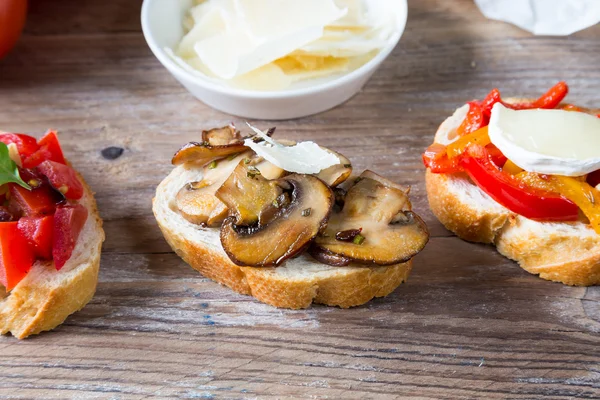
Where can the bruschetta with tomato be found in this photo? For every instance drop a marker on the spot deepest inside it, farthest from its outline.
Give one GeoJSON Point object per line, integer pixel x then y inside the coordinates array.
{"type": "Point", "coordinates": [524, 175]}
{"type": "Point", "coordinates": [50, 236]}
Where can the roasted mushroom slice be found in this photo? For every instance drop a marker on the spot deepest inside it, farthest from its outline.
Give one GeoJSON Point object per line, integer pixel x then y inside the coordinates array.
{"type": "Point", "coordinates": [375, 226]}
{"type": "Point", "coordinates": [248, 194]}
{"type": "Point", "coordinates": [336, 174]}
{"type": "Point", "coordinates": [196, 201]}
{"type": "Point", "coordinates": [298, 219]}
{"type": "Point", "coordinates": [222, 136]}
{"type": "Point", "coordinates": [208, 150]}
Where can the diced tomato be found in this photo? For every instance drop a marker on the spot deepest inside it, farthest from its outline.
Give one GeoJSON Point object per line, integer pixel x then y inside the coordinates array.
{"type": "Point", "coordinates": [68, 223]}
{"type": "Point", "coordinates": [514, 194]}
{"type": "Point", "coordinates": [16, 256]}
{"type": "Point", "coordinates": [63, 178]}
{"type": "Point", "coordinates": [32, 203]}
{"type": "Point", "coordinates": [49, 150]}
{"type": "Point", "coordinates": [38, 231]}
{"type": "Point", "coordinates": [26, 144]}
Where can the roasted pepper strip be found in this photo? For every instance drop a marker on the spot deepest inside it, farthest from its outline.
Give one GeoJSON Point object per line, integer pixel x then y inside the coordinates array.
{"type": "Point", "coordinates": [512, 193]}
{"type": "Point", "coordinates": [582, 194]}
{"type": "Point", "coordinates": [436, 159]}
{"type": "Point", "coordinates": [550, 99]}
{"type": "Point", "coordinates": [474, 120]}
{"type": "Point", "coordinates": [458, 147]}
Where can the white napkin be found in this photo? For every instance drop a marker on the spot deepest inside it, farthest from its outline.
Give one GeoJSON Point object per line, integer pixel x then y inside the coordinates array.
{"type": "Point", "coordinates": [544, 17]}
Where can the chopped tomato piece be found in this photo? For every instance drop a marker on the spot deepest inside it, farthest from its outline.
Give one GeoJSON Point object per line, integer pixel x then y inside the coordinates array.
{"type": "Point", "coordinates": [38, 231]}
{"type": "Point", "coordinates": [16, 256]}
{"type": "Point", "coordinates": [31, 203]}
{"type": "Point", "coordinates": [49, 150]}
{"type": "Point", "coordinates": [63, 178]}
{"type": "Point", "coordinates": [68, 223]}
{"type": "Point", "coordinates": [26, 145]}
{"type": "Point", "coordinates": [474, 120]}
{"type": "Point", "coordinates": [514, 194]}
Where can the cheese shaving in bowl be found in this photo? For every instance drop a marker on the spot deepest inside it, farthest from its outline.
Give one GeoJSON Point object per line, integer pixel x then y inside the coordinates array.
{"type": "Point", "coordinates": [301, 158]}
{"type": "Point", "coordinates": [271, 45]}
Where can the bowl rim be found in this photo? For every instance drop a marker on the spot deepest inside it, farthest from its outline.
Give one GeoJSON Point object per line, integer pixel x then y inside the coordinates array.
{"type": "Point", "coordinates": [176, 69]}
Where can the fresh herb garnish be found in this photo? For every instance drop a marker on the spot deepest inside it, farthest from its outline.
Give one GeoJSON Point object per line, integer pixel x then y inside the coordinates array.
{"type": "Point", "coordinates": [358, 239]}
{"type": "Point", "coordinates": [9, 173]}
{"type": "Point", "coordinates": [213, 164]}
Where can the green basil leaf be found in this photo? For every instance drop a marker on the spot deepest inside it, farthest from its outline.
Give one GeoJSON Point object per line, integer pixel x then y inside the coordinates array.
{"type": "Point", "coordinates": [9, 173]}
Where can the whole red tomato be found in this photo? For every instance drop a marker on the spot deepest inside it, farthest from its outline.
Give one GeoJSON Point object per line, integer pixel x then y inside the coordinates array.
{"type": "Point", "coordinates": [12, 20]}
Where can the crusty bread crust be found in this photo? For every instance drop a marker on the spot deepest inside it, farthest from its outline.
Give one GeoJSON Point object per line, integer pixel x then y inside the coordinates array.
{"type": "Point", "coordinates": [296, 284]}
{"type": "Point", "coordinates": [46, 297]}
{"type": "Point", "coordinates": [566, 252]}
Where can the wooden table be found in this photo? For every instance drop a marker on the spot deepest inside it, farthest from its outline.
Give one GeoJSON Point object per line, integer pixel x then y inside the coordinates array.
{"type": "Point", "coordinates": [468, 324]}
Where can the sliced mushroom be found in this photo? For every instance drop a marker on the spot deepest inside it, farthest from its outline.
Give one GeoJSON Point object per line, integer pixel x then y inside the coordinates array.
{"type": "Point", "coordinates": [336, 174]}
{"type": "Point", "coordinates": [222, 136]}
{"type": "Point", "coordinates": [196, 201]}
{"type": "Point", "coordinates": [389, 232]}
{"type": "Point", "coordinates": [217, 143]}
{"type": "Point", "coordinates": [288, 231]}
{"type": "Point", "coordinates": [212, 147]}
{"type": "Point", "coordinates": [247, 194]}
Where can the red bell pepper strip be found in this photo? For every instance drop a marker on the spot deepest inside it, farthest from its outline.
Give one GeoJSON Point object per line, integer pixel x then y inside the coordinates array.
{"type": "Point", "coordinates": [49, 150]}
{"type": "Point", "coordinates": [38, 231]}
{"type": "Point", "coordinates": [63, 178]}
{"type": "Point", "coordinates": [513, 194]}
{"type": "Point", "coordinates": [474, 120]}
{"type": "Point", "coordinates": [26, 145]}
{"type": "Point", "coordinates": [16, 256]}
{"type": "Point", "coordinates": [68, 223]}
{"type": "Point", "coordinates": [551, 99]}
{"type": "Point", "coordinates": [436, 159]}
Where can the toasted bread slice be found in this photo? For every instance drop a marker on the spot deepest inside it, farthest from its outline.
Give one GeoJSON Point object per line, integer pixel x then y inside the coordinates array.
{"type": "Point", "coordinates": [296, 284]}
{"type": "Point", "coordinates": [46, 297]}
{"type": "Point", "coordinates": [567, 252]}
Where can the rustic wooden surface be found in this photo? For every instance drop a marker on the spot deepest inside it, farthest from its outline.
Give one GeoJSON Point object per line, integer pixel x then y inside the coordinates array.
{"type": "Point", "coordinates": [468, 324]}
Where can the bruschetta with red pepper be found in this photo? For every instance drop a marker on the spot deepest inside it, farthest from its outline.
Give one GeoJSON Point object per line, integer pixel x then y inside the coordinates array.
{"type": "Point", "coordinates": [50, 236]}
{"type": "Point", "coordinates": [523, 175]}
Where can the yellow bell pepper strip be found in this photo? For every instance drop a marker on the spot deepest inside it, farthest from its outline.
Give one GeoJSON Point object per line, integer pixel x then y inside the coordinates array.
{"type": "Point", "coordinates": [581, 193]}
{"type": "Point", "coordinates": [458, 147]}
{"type": "Point", "coordinates": [511, 168]}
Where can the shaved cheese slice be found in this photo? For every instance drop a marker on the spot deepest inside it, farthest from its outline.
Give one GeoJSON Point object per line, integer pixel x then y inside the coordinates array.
{"type": "Point", "coordinates": [241, 42]}
{"type": "Point", "coordinates": [302, 158]}
{"type": "Point", "coordinates": [267, 30]}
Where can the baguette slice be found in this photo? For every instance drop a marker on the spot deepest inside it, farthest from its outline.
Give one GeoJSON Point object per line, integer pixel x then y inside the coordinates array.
{"type": "Point", "coordinates": [46, 297]}
{"type": "Point", "coordinates": [567, 252]}
{"type": "Point", "coordinates": [295, 284]}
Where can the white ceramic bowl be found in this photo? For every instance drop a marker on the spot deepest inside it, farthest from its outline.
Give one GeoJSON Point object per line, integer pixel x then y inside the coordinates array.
{"type": "Point", "coordinates": [163, 28]}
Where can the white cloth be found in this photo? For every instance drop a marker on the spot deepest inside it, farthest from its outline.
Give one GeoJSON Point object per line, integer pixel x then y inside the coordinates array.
{"type": "Point", "coordinates": [544, 17]}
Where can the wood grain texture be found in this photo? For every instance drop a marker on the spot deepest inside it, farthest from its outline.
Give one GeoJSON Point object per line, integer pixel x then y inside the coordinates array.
{"type": "Point", "coordinates": [468, 324]}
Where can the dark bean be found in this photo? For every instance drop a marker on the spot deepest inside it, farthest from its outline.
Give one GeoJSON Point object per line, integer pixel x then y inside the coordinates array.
{"type": "Point", "coordinates": [112, 152]}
